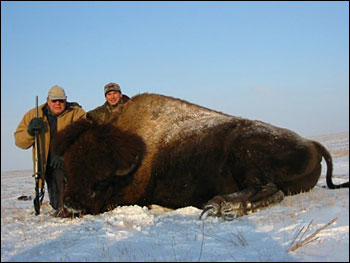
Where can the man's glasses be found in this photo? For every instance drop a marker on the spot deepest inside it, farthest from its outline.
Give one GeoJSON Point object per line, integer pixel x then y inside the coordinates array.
{"type": "Point", "coordinates": [60, 101]}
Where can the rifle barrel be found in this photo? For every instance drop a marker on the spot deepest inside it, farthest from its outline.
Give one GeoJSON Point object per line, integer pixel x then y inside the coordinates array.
{"type": "Point", "coordinates": [37, 168]}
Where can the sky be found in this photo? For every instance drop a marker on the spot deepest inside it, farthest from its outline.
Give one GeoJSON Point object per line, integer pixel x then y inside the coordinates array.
{"type": "Point", "coordinates": [284, 63]}
{"type": "Point", "coordinates": [138, 234]}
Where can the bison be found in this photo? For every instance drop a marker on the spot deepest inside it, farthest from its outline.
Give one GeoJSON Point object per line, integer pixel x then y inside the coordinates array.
{"type": "Point", "coordinates": [162, 150]}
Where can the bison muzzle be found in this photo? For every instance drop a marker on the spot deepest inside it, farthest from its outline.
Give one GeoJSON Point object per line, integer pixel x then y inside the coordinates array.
{"type": "Point", "coordinates": [166, 151]}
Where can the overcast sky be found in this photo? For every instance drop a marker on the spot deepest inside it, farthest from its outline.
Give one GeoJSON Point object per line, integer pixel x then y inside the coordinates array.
{"type": "Point", "coordinates": [285, 63]}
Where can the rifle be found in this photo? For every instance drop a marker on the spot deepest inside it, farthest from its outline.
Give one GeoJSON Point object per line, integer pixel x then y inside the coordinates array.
{"type": "Point", "coordinates": [38, 169]}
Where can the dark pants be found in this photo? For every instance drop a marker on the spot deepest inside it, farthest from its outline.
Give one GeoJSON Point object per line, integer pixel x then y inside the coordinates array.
{"type": "Point", "coordinates": [55, 180]}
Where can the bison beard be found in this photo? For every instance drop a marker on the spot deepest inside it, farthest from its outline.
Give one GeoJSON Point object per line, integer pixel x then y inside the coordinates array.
{"type": "Point", "coordinates": [166, 151]}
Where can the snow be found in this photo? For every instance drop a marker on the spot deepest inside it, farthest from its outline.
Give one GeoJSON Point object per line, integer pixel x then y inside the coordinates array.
{"type": "Point", "coordinates": [134, 233]}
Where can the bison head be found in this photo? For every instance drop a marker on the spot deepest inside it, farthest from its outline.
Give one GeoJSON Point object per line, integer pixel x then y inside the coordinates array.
{"type": "Point", "coordinates": [99, 161]}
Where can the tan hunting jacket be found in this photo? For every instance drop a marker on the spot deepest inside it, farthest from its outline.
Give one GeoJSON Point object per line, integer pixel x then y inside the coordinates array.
{"type": "Point", "coordinates": [24, 140]}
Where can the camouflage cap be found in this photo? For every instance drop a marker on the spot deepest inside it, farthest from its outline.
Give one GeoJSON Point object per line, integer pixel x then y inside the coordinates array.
{"type": "Point", "coordinates": [56, 93]}
{"type": "Point", "coordinates": [111, 86]}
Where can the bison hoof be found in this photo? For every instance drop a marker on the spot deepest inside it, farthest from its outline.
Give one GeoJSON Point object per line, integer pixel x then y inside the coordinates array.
{"type": "Point", "coordinates": [227, 210]}
{"type": "Point", "coordinates": [211, 209]}
{"type": "Point", "coordinates": [230, 211]}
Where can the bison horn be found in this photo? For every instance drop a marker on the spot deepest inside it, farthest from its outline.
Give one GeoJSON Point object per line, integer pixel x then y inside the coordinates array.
{"type": "Point", "coordinates": [125, 171]}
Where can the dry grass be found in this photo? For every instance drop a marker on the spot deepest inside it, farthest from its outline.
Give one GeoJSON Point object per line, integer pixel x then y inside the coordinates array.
{"type": "Point", "coordinates": [310, 238]}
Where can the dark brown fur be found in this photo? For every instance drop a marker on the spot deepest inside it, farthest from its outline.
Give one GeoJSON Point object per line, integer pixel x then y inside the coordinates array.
{"type": "Point", "coordinates": [185, 155]}
{"type": "Point", "coordinates": [94, 153]}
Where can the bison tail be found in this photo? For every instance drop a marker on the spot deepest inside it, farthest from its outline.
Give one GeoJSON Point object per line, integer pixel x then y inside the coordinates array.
{"type": "Point", "coordinates": [328, 158]}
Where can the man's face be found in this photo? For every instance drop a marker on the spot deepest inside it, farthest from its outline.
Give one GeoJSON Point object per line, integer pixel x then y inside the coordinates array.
{"type": "Point", "coordinates": [56, 106]}
{"type": "Point", "coordinates": [113, 97]}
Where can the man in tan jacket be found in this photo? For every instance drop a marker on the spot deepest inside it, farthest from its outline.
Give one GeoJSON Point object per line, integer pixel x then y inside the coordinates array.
{"type": "Point", "coordinates": [53, 116]}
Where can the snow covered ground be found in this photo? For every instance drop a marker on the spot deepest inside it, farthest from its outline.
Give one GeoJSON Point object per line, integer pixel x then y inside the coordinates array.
{"type": "Point", "coordinates": [134, 233]}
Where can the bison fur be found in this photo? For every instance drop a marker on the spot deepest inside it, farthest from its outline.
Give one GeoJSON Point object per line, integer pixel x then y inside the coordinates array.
{"type": "Point", "coordinates": [166, 151]}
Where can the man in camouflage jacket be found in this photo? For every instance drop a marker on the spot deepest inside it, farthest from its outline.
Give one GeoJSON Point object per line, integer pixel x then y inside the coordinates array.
{"type": "Point", "coordinates": [114, 98]}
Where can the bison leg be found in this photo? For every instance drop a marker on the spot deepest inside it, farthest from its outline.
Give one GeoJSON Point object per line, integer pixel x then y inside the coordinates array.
{"type": "Point", "coordinates": [241, 203]}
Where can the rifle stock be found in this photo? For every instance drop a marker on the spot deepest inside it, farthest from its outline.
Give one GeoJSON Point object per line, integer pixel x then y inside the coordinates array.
{"type": "Point", "coordinates": [38, 169]}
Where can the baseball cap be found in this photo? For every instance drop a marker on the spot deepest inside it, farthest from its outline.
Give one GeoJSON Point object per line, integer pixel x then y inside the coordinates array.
{"type": "Point", "coordinates": [57, 93]}
{"type": "Point", "coordinates": [111, 86]}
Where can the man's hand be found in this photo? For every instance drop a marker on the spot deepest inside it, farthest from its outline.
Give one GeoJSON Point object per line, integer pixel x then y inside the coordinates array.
{"type": "Point", "coordinates": [35, 125]}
